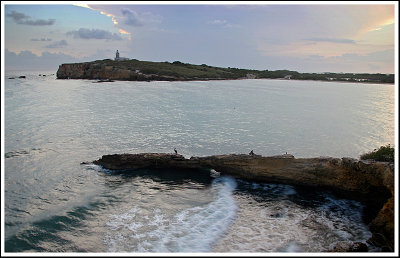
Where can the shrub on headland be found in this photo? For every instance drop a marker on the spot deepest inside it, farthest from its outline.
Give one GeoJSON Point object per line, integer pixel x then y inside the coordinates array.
{"type": "Point", "coordinates": [384, 153]}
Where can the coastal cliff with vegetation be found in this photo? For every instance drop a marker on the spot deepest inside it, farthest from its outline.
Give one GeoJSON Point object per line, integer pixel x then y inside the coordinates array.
{"type": "Point", "coordinates": [135, 70]}
{"type": "Point", "coordinates": [369, 181]}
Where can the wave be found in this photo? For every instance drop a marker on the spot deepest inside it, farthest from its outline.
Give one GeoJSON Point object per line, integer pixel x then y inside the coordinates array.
{"type": "Point", "coordinates": [98, 168]}
{"type": "Point", "coordinates": [18, 153]}
{"type": "Point", "coordinates": [46, 235]}
{"type": "Point", "coordinates": [194, 229]}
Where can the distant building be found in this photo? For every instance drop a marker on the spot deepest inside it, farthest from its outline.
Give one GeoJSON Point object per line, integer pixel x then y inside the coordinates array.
{"type": "Point", "coordinates": [118, 58]}
{"type": "Point", "coordinates": [251, 76]}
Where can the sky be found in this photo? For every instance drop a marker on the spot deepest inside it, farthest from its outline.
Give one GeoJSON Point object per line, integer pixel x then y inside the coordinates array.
{"type": "Point", "coordinates": [360, 37]}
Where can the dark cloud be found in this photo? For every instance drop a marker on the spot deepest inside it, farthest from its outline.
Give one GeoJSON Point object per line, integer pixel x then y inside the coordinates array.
{"type": "Point", "coordinates": [332, 40]}
{"type": "Point", "coordinates": [58, 44]}
{"type": "Point", "coordinates": [131, 18]}
{"type": "Point", "coordinates": [83, 33]}
{"type": "Point", "coordinates": [17, 17]}
{"type": "Point", "coordinates": [21, 18]}
{"type": "Point", "coordinates": [41, 39]}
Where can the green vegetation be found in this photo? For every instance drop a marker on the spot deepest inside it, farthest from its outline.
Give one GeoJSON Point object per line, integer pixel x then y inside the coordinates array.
{"type": "Point", "coordinates": [185, 71]}
{"type": "Point", "coordinates": [384, 153]}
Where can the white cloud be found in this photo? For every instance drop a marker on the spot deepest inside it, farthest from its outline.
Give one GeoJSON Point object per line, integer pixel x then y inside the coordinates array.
{"type": "Point", "coordinates": [125, 19]}
{"type": "Point", "coordinates": [223, 23]}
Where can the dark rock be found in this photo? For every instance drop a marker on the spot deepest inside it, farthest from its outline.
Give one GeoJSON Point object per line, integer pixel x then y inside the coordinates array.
{"type": "Point", "coordinates": [22, 77]}
{"type": "Point", "coordinates": [382, 227]}
{"type": "Point", "coordinates": [348, 246]}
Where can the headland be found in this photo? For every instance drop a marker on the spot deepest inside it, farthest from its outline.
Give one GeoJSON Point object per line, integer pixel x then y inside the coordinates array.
{"type": "Point", "coordinates": [135, 70]}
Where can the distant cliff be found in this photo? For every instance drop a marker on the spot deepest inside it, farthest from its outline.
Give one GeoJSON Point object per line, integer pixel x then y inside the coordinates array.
{"type": "Point", "coordinates": [135, 70]}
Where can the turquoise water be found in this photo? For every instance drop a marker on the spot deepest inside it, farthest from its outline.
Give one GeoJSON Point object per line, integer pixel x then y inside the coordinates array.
{"type": "Point", "coordinates": [55, 204]}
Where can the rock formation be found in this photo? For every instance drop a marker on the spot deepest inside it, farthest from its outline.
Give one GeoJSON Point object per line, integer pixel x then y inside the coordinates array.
{"type": "Point", "coordinates": [367, 181]}
{"type": "Point", "coordinates": [97, 71]}
{"type": "Point", "coordinates": [102, 71]}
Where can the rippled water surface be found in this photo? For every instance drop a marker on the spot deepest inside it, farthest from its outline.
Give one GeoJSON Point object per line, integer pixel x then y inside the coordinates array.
{"type": "Point", "coordinates": [55, 204]}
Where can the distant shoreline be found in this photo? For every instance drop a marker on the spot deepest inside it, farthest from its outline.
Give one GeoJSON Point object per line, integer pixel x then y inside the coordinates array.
{"type": "Point", "coordinates": [23, 73]}
{"type": "Point", "coordinates": [135, 70]}
{"type": "Point", "coordinates": [356, 82]}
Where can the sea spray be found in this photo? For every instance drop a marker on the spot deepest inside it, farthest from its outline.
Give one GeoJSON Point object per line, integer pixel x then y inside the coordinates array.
{"type": "Point", "coordinates": [192, 230]}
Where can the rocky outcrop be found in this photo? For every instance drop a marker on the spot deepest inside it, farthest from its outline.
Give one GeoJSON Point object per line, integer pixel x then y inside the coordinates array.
{"type": "Point", "coordinates": [368, 181]}
{"type": "Point", "coordinates": [99, 71]}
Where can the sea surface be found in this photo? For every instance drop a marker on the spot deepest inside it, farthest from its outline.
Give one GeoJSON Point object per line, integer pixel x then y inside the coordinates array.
{"type": "Point", "coordinates": [53, 203]}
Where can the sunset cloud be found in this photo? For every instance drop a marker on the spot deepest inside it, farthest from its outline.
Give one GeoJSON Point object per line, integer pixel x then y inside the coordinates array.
{"type": "Point", "coordinates": [333, 40]}
{"type": "Point", "coordinates": [305, 37]}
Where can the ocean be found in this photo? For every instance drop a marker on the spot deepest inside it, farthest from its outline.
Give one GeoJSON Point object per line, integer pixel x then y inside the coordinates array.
{"type": "Point", "coordinates": [53, 203]}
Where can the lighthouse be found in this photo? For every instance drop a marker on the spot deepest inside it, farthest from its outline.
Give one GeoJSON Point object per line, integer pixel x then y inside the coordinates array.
{"type": "Point", "coordinates": [118, 58]}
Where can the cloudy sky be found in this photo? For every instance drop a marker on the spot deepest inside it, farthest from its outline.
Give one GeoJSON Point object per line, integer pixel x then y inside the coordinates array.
{"type": "Point", "coordinates": [324, 37]}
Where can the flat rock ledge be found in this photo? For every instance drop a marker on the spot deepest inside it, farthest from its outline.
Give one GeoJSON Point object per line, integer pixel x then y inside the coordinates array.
{"type": "Point", "coordinates": [368, 181]}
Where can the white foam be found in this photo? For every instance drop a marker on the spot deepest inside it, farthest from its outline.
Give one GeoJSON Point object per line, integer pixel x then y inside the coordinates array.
{"type": "Point", "coordinates": [214, 173]}
{"type": "Point", "coordinates": [98, 168]}
{"type": "Point", "coordinates": [191, 230]}
{"type": "Point", "coordinates": [293, 247]}
{"type": "Point", "coordinates": [279, 225]}
{"type": "Point", "coordinates": [344, 218]}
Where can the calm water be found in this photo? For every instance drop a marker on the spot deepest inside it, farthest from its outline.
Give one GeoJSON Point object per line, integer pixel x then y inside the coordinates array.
{"type": "Point", "coordinates": [55, 204]}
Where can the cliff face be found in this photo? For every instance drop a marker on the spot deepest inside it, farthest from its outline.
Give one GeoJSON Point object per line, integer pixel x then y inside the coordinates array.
{"type": "Point", "coordinates": [371, 182]}
{"type": "Point", "coordinates": [99, 71]}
